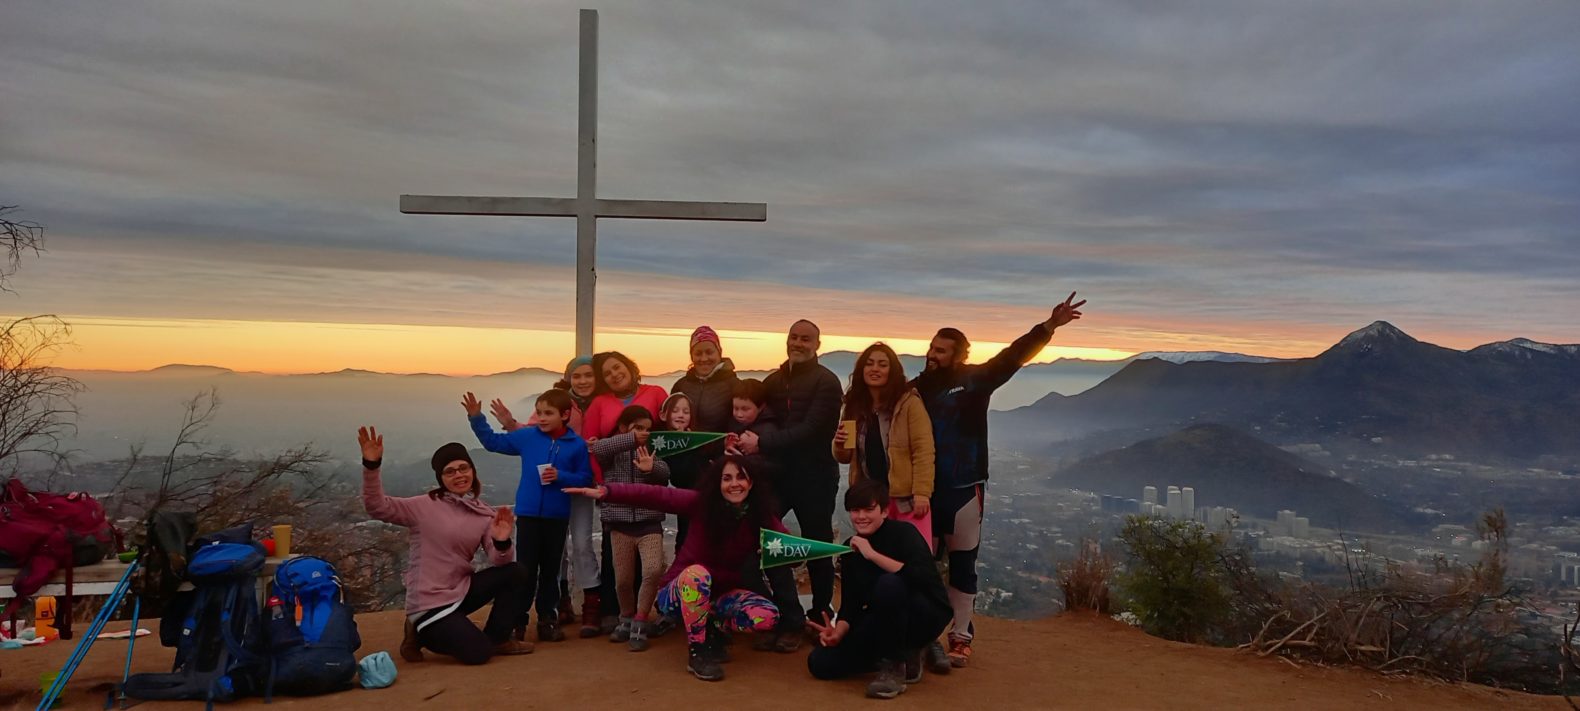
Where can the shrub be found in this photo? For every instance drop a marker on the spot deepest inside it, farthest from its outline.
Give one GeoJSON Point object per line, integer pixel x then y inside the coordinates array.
{"type": "Point", "coordinates": [1174, 577]}
{"type": "Point", "coordinates": [1084, 581]}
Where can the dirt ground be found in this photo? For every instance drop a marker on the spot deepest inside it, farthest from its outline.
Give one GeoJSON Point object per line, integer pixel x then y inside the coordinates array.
{"type": "Point", "coordinates": [1069, 661]}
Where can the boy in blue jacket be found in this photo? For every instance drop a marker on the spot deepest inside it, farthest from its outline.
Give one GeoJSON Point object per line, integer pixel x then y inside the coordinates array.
{"type": "Point", "coordinates": [552, 458]}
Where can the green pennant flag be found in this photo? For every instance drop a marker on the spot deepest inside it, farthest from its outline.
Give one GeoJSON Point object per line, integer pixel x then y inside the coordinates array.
{"type": "Point", "coordinates": [785, 549]}
{"type": "Point", "coordinates": [666, 444]}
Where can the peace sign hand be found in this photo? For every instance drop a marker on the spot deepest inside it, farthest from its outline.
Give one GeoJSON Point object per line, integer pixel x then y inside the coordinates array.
{"type": "Point", "coordinates": [829, 634]}
{"type": "Point", "coordinates": [1065, 312]}
{"type": "Point", "coordinates": [643, 460]}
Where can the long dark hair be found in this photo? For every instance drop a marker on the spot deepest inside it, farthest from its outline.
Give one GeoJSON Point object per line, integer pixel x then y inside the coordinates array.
{"type": "Point", "coordinates": [717, 516]}
{"type": "Point", "coordinates": [598, 363]}
{"type": "Point", "coordinates": [858, 397]}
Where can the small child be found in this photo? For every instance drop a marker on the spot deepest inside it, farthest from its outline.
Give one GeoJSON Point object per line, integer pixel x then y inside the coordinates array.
{"type": "Point", "coordinates": [752, 415]}
{"type": "Point", "coordinates": [633, 532]}
{"type": "Point", "coordinates": [685, 468]}
{"type": "Point", "coordinates": [552, 458]}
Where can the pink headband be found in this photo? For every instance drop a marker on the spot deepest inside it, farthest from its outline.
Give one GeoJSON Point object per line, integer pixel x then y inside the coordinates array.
{"type": "Point", "coordinates": [703, 333]}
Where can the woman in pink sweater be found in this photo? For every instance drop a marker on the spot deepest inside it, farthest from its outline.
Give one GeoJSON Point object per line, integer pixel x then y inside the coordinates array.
{"type": "Point", "coordinates": [447, 526]}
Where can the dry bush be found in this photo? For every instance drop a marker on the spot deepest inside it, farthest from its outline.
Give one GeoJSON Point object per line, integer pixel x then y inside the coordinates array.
{"type": "Point", "coordinates": [1458, 623]}
{"type": "Point", "coordinates": [1084, 580]}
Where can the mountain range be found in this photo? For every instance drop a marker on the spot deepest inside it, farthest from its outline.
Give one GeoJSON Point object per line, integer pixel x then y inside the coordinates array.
{"type": "Point", "coordinates": [1231, 468]}
{"type": "Point", "coordinates": [1379, 385]}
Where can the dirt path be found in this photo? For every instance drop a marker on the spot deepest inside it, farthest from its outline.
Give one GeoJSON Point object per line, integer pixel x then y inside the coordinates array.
{"type": "Point", "coordinates": [1064, 662]}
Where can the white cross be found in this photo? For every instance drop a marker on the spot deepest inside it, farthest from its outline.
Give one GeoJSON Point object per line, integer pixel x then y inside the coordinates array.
{"type": "Point", "coordinates": [586, 207]}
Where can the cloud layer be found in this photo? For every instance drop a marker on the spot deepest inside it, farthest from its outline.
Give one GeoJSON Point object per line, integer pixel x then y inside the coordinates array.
{"type": "Point", "coordinates": [1280, 169]}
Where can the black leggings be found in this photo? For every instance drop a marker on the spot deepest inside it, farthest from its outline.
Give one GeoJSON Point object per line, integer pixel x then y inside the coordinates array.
{"type": "Point", "coordinates": [456, 636]}
{"type": "Point", "coordinates": [540, 542]}
{"type": "Point", "coordinates": [898, 623]}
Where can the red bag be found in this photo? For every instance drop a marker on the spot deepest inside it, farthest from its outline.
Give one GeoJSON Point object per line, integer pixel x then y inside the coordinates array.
{"type": "Point", "coordinates": [44, 532]}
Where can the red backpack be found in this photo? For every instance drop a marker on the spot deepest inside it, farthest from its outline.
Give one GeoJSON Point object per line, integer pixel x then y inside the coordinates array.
{"type": "Point", "coordinates": [42, 532]}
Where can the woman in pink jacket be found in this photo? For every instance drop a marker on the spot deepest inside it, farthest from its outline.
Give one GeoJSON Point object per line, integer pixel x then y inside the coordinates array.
{"type": "Point", "coordinates": [447, 526]}
{"type": "Point", "coordinates": [619, 386]}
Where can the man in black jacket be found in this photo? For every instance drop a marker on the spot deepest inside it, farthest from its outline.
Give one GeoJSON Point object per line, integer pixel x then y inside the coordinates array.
{"type": "Point", "coordinates": [806, 398]}
{"type": "Point", "coordinates": [956, 396]}
{"type": "Point", "coordinates": [892, 601]}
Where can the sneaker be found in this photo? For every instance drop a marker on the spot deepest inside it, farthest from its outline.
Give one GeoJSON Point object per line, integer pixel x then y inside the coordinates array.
{"type": "Point", "coordinates": [890, 681]}
{"type": "Point", "coordinates": [638, 637]}
{"type": "Point", "coordinates": [935, 659]}
{"type": "Point", "coordinates": [787, 642]}
{"type": "Point", "coordinates": [702, 664]}
{"type": "Point", "coordinates": [622, 632]}
{"type": "Point", "coordinates": [512, 646]}
{"type": "Point", "coordinates": [959, 652]}
{"type": "Point", "coordinates": [550, 632]}
{"type": "Point", "coordinates": [410, 648]}
{"type": "Point", "coordinates": [590, 627]}
{"type": "Point", "coordinates": [913, 668]}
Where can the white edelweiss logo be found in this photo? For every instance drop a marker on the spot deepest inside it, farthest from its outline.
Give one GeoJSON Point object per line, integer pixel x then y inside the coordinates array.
{"type": "Point", "coordinates": [661, 443]}
{"type": "Point", "coordinates": [775, 547]}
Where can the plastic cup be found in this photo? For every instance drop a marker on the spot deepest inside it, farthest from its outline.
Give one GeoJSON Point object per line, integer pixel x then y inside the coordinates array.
{"type": "Point", "coordinates": [849, 427]}
{"type": "Point", "coordinates": [282, 540]}
{"type": "Point", "coordinates": [543, 476]}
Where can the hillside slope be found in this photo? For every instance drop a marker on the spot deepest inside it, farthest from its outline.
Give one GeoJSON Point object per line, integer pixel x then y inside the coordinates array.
{"type": "Point", "coordinates": [1070, 661]}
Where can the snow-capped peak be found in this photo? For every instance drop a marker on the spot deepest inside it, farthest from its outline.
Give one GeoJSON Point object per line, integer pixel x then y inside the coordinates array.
{"type": "Point", "coordinates": [1199, 356]}
{"type": "Point", "coordinates": [1378, 330]}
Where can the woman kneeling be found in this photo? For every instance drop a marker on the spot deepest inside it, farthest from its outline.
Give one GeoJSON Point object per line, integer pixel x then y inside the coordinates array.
{"type": "Point", "coordinates": [446, 527]}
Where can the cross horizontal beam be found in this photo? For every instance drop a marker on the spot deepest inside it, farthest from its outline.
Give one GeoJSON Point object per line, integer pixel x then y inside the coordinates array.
{"type": "Point", "coordinates": [566, 207]}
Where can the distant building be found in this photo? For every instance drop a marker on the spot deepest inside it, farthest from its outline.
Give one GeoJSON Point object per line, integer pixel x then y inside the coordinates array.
{"type": "Point", "coordinates": [1149, 494]}
{"type": "Point", "coordinates": [1188, 502]}
{"type": "Point", "coordinates": [1285, 525]}
{"type": "Point", "coordinates": [1302, 527]}
{"type": "Point", "coordinates": [1176, 503]}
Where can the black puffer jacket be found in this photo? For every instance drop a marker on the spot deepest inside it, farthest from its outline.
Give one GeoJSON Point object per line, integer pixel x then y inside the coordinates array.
{"type": "Point", "coordinates": [807, 401]}
{"type": "Point", "coordinates": [712, 401]}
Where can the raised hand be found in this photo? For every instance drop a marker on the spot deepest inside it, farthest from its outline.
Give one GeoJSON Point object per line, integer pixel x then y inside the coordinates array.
{"type": "Point", "coordinates": [372, 443]}
{"type": "Point", "coordinates": [591, 492]}
{"type": "Point", "coordinates": [504, 522]}
{"type": "Point", "coordinates": [643, 460]}
{"type": "Point", "coordinates": [1066, 312]}
{"type": "Point", "coordinates": [473, 407]}
{"type": "Point", "coordinates": [507, 421]}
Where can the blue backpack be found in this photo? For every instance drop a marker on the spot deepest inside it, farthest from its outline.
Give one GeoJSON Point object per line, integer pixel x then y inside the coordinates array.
{"type": "Point", "coordinates": [220, 654]}
{"type": "Point", "coordinates": [318, 654]}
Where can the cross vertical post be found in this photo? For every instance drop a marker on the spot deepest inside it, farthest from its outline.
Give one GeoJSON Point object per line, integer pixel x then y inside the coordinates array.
{"type": "Point", "coordinates": [586, 184]}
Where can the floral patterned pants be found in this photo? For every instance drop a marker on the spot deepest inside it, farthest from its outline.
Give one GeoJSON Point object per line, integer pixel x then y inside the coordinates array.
{"type": "Point", "coordinates": [690, 597]}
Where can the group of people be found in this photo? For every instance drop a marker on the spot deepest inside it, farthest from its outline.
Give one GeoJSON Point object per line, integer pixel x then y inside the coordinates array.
{"type": "Point", "coordinates": [917, 455]}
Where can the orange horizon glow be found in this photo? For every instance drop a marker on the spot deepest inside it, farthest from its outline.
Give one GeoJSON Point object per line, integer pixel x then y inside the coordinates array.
{"type": "Point", "coordinates": [290, 347]}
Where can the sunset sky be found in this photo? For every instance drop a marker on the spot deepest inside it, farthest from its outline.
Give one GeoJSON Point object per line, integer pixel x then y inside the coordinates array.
{"type": "Point", "coordinates": [219, 179]}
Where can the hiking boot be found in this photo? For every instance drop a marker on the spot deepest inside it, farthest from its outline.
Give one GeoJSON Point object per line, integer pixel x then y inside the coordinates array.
{"type": "Point", "coordinates": [550, 632]}
{"type": "Point", "coordinates": [913, 668]}
{"type": "Point", "coordinates": [410, 648]}
{"type": "Point", "coordinates": [638, 637]}
{"type": "Point", "coordinates": [935, 659]}
{"type": "Point", "coordinates": [512, 646]}
{"type": "Point", "coordinates": [622, 631]}
{"type": "Point", "coordinates": [718, 645]}
{"type": "Point", "coordinates": [590, 627]}
{"type": "Point", "coordinates": [890, 681]}
{"type": "Point", "coordinates": [702, 664]}
{"type": "Point", "coordinates": [959, 652]}
{"type": "Point", "coordinates": [567, 612]}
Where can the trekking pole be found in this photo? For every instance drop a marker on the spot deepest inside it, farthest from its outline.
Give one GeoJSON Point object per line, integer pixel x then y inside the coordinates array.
{"type": "Point", "coordinates": [81, 650]}
{"type": "Point", "coordinates": [131, 642]}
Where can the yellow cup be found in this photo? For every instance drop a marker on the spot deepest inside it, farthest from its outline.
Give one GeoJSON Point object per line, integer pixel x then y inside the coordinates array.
{"type": "Point", "coordinates": [282, 540]}
{"type": "Point", "coordinates": [849, 426]}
